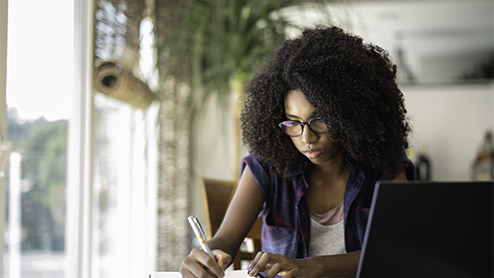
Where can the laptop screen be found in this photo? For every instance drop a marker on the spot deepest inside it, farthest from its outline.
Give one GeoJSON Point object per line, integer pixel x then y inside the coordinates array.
{"type": "Point", "coordinates": [429, 229]}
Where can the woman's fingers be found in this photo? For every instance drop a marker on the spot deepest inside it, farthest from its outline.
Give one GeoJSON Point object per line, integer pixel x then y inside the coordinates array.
{"type": "Point", "coordinates": [210, 263]}
{"type": "Point", "coordinates": [185, 272]}
{"type": "Point", "coordinates": [274, 264]}
{"type": "Point", "coordinates": [256, 265]}
{"type": "Point", "coordinates": [223, 259]}
{"type": "Point", "coordinates": [256, 259]}
{"type": "Point", "coordinates": [199, 264]}
{"type": "Point", "coordinates": [263, 262]}
{"type": "Point", "coordinates": [275, 269]}
{"type": "Point", "coordinates": [288, 274]}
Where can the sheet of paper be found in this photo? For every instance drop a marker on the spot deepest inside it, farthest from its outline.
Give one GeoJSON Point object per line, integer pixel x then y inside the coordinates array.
{"type": "Point", "coordinates": [165, 275]}
{"type": "Point", "coordinates": [228, 274]}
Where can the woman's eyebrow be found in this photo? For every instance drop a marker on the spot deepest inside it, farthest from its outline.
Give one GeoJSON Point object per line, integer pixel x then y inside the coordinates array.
{"type": "Point", "coordinates": [288, 115]}
{"type": "Point", "coordinates": [314, 114]}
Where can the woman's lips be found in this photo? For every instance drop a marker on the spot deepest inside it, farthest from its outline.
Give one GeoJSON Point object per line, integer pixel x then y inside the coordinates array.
{"type": "Point", "coordinates": [312, 153]}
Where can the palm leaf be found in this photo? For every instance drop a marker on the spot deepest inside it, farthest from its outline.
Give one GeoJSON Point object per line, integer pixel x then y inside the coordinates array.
{"type": "Point", "coordinates": [207, 44]}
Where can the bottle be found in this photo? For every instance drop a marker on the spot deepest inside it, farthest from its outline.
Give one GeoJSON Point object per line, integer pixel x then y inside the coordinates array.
{"type": "Point", "coordinates": [410, 151]}
{"type": "Point", "coordinates": [483, 166]}
{"type": "Point", "coordinates": [423, 164]}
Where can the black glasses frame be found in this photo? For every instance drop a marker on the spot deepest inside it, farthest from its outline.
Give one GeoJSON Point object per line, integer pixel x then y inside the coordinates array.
{"type": "Point", "coordinates": [302, 124]}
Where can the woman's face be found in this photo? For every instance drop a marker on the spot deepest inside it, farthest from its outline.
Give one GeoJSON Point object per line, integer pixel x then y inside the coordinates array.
{"type": "Point", "coordinates": [318, 148]}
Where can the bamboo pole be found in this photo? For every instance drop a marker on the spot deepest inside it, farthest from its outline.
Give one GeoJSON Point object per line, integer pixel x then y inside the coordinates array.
{"type": "Point", "coordinates": [237, 95]}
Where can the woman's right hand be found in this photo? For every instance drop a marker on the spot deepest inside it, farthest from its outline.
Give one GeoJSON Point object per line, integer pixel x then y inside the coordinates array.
{"type": "Point", "coordinates": [199, 264]}
{"type": "Point", "coordinates": [239, 218]}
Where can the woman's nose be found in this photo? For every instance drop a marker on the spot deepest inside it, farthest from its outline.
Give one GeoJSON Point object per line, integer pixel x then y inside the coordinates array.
{"type": "Point", "coordinates": [308, 136]}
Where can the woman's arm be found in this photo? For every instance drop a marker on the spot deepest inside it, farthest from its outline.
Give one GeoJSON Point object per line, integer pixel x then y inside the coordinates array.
{"type": "Point", "coordinates": [239, 218]}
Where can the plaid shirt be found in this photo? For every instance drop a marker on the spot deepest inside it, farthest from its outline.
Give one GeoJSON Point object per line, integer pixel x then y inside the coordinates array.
{"type": "Point", "coordinates": [286, 227]}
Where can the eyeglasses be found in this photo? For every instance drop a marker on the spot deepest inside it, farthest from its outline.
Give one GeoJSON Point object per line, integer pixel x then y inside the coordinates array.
{"type": "Point", "coordinates": [296, 128]}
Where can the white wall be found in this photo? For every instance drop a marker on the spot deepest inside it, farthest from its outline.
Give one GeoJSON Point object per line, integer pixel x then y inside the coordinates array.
{"type": "Point", "coordinates": [211, 149]}
{"type": "Point", "coordinates": [452, 121]}
{"type": "Point", "coordinates": [436, 40]}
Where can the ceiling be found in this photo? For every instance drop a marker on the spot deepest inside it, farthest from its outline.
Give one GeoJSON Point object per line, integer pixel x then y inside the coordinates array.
{"type": "Point", "coordinates": [435, 41]}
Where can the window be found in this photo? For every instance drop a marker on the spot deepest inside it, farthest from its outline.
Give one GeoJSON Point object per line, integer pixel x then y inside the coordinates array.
{"type": "Point", "coordinates": [38, 95]}
{"type": "Point", "coordinates": [82, 177]}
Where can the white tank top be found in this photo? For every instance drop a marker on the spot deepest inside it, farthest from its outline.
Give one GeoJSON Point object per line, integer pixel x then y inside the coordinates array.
{"type": "Point", "coordinates": [327, 232]}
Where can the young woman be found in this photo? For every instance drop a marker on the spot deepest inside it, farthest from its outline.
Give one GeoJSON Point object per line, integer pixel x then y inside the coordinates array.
{"type": "Point", "coordinates": [324, 120]}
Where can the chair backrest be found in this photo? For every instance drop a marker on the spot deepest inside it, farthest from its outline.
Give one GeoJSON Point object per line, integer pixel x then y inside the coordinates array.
{"type": "Point", "coordinates": [216, 196]}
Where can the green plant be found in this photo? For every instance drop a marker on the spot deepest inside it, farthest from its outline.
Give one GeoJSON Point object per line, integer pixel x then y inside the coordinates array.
{"type": "Point", "coordinates": [214, 46]}
{"type": "Point", "coordinates": [211, 45]}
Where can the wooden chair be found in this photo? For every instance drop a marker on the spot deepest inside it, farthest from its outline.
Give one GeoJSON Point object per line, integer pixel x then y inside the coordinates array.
{"type": "Point", "coordinates": [216, 196]}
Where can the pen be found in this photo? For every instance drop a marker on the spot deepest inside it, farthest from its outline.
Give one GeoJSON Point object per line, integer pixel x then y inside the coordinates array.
{"type": "Point", "coordinates": [200, 234]}
{"type": "Point", "coordinates": [201, 237]}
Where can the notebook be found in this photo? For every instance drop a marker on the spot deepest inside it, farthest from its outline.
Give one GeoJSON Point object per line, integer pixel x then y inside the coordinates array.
{"type": "Point", "coordinates": [429, 229]}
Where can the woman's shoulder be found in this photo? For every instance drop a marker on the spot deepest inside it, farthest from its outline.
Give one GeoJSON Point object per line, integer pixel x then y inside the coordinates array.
{"type": "Point", "coordinates": [253, 159]}
{"type": "Point", "coordinates": [395, 166]}
{"type": "Point", "coordinates": [402, 164]}
{"type": "Point", "coordinates": [257, 164]}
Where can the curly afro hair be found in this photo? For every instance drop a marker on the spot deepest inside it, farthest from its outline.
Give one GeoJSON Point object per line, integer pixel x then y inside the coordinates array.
{"type": "Point", "coordinates": [352, 86]}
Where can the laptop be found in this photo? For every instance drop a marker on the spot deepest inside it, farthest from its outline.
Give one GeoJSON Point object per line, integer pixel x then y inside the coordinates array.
{"type": "Point", "coordinates": [429, 229]}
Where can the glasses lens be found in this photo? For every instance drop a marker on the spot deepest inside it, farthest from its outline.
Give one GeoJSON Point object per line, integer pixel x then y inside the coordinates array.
{"type": "Point", "coordinates": [318, 125]}
{"type": "Point", "coordinates": [291, 128]}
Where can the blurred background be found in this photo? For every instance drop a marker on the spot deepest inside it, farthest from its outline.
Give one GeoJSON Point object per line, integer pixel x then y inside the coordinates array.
{"type": "Point", "coordinates": [112, 110]}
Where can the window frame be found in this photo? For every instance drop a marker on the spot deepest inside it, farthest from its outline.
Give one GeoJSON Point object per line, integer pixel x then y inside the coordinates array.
{"type": "Point", "coordinates": [3, 117]}
{"type": "Point", "coordinates": [80, 213]}
{"type": "Point", "coordinates": [80, 143]}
